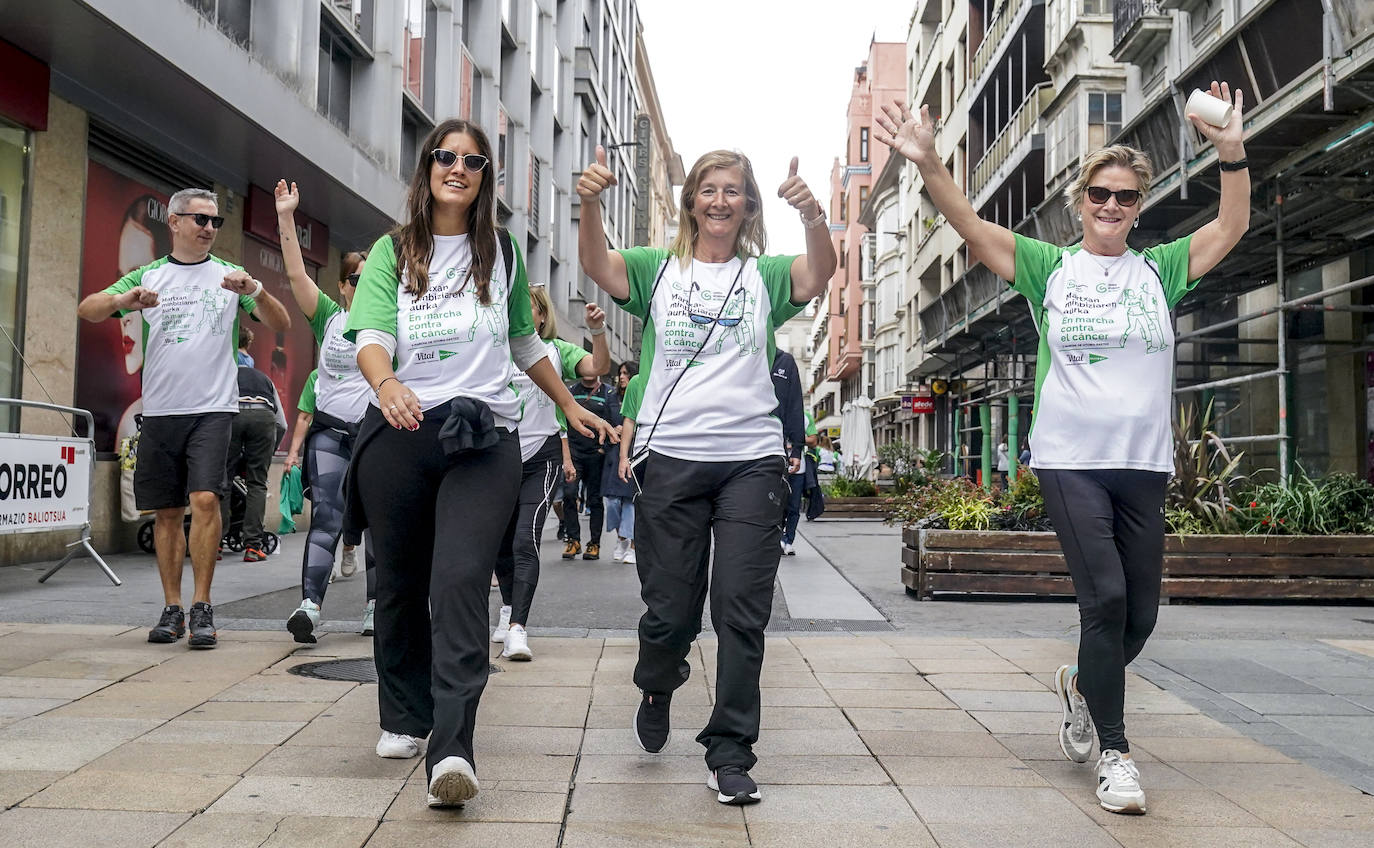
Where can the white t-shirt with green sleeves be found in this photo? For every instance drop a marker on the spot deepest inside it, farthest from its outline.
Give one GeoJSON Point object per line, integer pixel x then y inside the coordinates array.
{"type": "Point", "coordinates": [189, 337]}
{"type": "Point", "coordinates": [722, 408]}
{"type": "Point", "coordinates": [1104, 372]}
{"type": "Point", "coordinates": [447, 343]}
{"type": "Point", "coordinates": [541, 416]}
{"type": "Point", "coordinates": [341, 390]}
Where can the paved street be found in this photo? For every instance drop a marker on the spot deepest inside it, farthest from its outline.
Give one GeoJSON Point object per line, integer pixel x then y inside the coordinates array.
{"type": "Point", "coordinates": [887, 721]}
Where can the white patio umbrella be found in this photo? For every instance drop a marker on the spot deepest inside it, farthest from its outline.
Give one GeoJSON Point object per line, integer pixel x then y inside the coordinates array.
{"type": "Point", "coordinates": [856, 438]}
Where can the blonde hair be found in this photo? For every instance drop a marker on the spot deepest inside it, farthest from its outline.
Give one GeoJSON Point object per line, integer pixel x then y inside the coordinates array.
{"type": "Point", "coordinates": [540, 296]}
{"type": "Point", "coordinates": [751, 239]}
{"type": "Point", "coordinates": [1118, 154]}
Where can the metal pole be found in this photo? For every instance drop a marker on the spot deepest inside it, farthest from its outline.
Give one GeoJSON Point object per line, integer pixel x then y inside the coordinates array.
{"type": "Point", "coordinates": [958, 424]}
{"type": "Point", "coordinates": [985, 424]}
{"type": "Point", "coordinates": [1013, 436]}
{"type": "Point", "coordinates": [1282, 370]}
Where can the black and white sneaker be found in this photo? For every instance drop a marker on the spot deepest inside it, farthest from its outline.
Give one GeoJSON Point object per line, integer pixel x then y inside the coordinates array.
{"type": "Point", "coordinates": [733, 785]}
{"type": "Point", "coordinates": [651, 725]}
{"type": "Point", "coordinates": [202, 626]}
{"type": "Point", "coordinates": [1076, 723]}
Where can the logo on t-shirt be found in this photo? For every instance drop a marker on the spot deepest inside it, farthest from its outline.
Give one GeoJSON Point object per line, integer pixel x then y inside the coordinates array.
{"type": "Point", "coordinates": [1071, 358]}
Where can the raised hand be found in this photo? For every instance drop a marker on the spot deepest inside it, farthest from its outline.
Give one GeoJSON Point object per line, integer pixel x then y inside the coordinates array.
{"type": "Point", "coordinates": [913, 136]}
{"type": "Point", "coordinates": [596, 316]}
{"type": "Point", "coordinates": [1230, 139]}
{"type": "Point", "coordinates": [796, 193]}
{"type": "Point", "coordinates": [597, 177]}
{"type": "Point", "coordinates": [287, 198]}
{"type": "Point", "coordinates": [136, 298]}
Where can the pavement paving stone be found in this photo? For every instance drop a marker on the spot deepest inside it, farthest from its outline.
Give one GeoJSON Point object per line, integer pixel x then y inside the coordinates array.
{"type": "Point", "coordinates": [1300, 809]}
{"type": "Point", "coordinates": [15, 786]}
{"type": "Point", "coordinates": [994, 805]}
{"type": "Point", "coordinates": [931, 744]}
{"type": "Point", "coordinates": [519, 707]}
{"type": "Point", "coordinates": [26, 827]}
{"type": "Point", "coordinates": [288, 687]}
{"type": "Point", "coordinates": [975, 700]}
{"type": "Point", "coordinates": [803, 718]}
{"type": "Point", "coordinates": [310, 796]}
{"type": "Point", "coordinates": [1174, 836]}
{"type": "Point", "coordinates": [857, 662]}
{"type": "Point", "coordinates": [543, 677]}
{"type": "Point", "coordinates": [1020, 834]}
{"type": "Point", "coordinates": [256, 711]}
{"type": "Point", "coordinates": [83, 669]}
{"type": "Point", "coordinates": [408, 834]}
{"type": "Point", "coordinates": [832, 805]}
{"type": "Point", "coordinates": [1081, 778]}
{"type": "Point", "coordinates": [856, 834]}
{"type": "Point", "coordinates": [524, 740]}
{"type": "Point", "coordinates": [643, 768]}
{"type": "Point", "coordinates": [816, 743]}
{"type": "Point", "coordinates": [266, 830]}
{"type": "Point", "coordinates": [628, 693]}
{"type": "Point", "coordinates": [64, 688]}
{"type": "Point", "coordinates": [879, 680]}
{"type": "Point", "coordinates": [961, 771]}
{"type": "Point", "coordinates": [1228, 780]}
{"type": "Point", "coordinates": [806, 769]}
{"type": "Point", "coordinates": [1019, 682]}
{"type": "Point", "coordinates": [96, 789]}
{"type": "Point", "coordinates": [1331, 837]}
{"type": "Point", "coordinates": [242, 732]}
{"type": "Point", "coordinates": [615, 815]}
{"type": "Point", "coordinates": [1306, 705]}
{"type": "Point", "coordinates": [620, 742]}
{"type": "Point", "coordinates": [1179, 725]}
{"type": "Point", "coordinates": [342, 731]}
{"type": "Point", "coordinates": [491, 804]}
{"type": "Point", "coordinates": [777, 696]}
{"type": "Point", "coordinates": [948, 721]}
{"type": "Point", "coordinates": [912, 699]}
{"type": "Point", "coordinates": [1192, 807]}
{"type": "Point", "coordinates": [136, 699]}
{"type": "Point", "coordinates": [1207, 750]}
{"type": "Point", "coordinates": [620, 717]}
{"type": "Point", "coordinates": [1015, 722]}
{"type": "Point", "coordinates": [334, 761]}
{"type": "Point", "coordinates": [963, 665]}
{"type": "Point", "coordinates": [17, 708]}
{"type": "Point", "coordinates": [206, 758]}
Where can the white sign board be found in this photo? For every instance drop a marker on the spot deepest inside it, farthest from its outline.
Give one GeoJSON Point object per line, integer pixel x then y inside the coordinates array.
{"type": "Point", "coordinates": [44, 482]}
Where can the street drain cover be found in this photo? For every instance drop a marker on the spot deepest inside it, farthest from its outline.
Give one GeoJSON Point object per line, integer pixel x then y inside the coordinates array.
{"type": "Point", "coordinates": [357, 670]}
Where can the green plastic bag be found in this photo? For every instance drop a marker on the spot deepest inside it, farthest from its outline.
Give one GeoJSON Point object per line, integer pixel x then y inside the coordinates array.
{"type": "Point", "coordinates": [292, 501]}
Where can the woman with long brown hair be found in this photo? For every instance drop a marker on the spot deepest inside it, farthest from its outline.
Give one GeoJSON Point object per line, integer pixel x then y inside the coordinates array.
{"type": "Point", "coordinates": [441, 320]}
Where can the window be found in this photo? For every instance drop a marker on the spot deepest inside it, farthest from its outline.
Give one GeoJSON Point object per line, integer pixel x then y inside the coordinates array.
{"type": "Point", "coordinates": [418, 57]}
{"type": "Point", "coordinates": [413, 131]}
{"type": "Point", "coordinates": [232, 17]}
{"type": "Point", "coordinates": [502, 140]}
{"type": "Point", "coordinates": [1104, 118]}
{"type": "Point", "coordinates": [14, 147]}
{"type": "Point", "coordinates": [863, 144]}
{"type": "Point", "coordinates": [843, 254]}
{"type": "Point", "coordinates": [468, 80]}
{"type": "Point", "coordinates": [334, 94]}
{"type": "Point", "coordinates": [352, 11]}
{"type": "Point", "coordinates": [863, 196]}
{"type": "Point", "coordinates": [1097, 7]}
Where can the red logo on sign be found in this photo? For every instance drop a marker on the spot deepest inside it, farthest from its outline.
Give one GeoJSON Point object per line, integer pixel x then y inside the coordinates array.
{"type": "Point", "coordinates": [69, 454]}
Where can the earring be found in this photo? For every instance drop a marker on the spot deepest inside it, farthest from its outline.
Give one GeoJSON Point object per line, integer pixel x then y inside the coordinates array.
{"type": "Point", "coordinates": [1136, 224]}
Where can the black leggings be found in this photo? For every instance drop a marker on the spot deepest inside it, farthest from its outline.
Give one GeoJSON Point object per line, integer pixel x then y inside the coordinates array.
{"type": "Point", "coordinates": [1110, 524]}
{"type": "Point", "coordinates": [438, 524]}
{"type": "Point", "coordinates": [517, 566]}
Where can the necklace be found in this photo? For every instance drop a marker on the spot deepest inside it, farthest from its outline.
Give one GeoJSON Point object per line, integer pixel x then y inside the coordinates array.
{"type": "Point", "coordinates": [1105, 266]}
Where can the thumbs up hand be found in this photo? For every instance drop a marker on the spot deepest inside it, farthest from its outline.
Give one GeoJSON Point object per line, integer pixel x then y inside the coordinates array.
{"type": "Point", "coordinates": [597, 177]}
{"type": "Point", "coordinates": [798, 196]}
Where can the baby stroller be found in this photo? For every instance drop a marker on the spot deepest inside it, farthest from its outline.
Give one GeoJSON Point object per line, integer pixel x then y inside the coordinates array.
{"type": "Point", "coordinates": [233, 535]}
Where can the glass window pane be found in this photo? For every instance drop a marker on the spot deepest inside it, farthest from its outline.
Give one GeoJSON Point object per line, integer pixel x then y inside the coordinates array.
{"type": "Point", "coordinates": [1113, 108]}
{"type": "Point", "coordinates": [13, 168]}
{"type": "Point", "coordinates": [1095, 107]}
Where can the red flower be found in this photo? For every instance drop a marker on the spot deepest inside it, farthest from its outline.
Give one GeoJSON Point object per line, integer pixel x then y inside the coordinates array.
{"type": "Point", "coordinates": [1254, 504]}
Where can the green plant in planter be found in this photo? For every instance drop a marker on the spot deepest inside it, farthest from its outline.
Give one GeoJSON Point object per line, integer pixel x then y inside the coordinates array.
{"type": "Point", "coordinates": [1021, 506]}
{"type": "Point", "coordinates": [1205, 478]}
{"type": "Point", "coordinates": [850, 487]}
{"type": "Point", "coordinates": [1340, 503]}
{"type": "Point", "coordinates": [940, 503]}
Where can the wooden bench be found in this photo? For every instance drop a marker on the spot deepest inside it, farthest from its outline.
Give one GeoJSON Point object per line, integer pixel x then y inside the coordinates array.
{"type": "Point", "coordinates": [963, 562]}
{"type": "Point", "coordinates": [855, 508]}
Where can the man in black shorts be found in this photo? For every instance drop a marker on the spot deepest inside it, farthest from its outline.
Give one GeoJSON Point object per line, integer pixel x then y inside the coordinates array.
{"type": "Point", "coordinates": [190, 302]}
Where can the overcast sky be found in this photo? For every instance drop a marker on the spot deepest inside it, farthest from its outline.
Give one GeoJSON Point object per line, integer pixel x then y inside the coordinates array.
{"type": "Point", "coordinates": [770, 78]}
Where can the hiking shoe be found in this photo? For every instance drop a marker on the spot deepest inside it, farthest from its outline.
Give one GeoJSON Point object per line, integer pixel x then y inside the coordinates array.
{"type": "Point", "coordinates": [366, 629]}
{"type": "Point", "coordinates": [1076, 725]}
{"type": "Point", "coordinates": [303, 622]}
{"type": "Point", "coordinates": [502, 626]}
{"type": "Point", "coordinates": [348, 562]}
{"type": "Point", "coordinates": [451, 783]}
{"type": "Point", "coordinates": [254, 553]}
{"type": "Point", "coordinates": [651, 726]}
{"type": "Point", "coordinates": [788, 550]}
{"type": "Point", "coordinates": [517, 644]}
{"type": "Point", "coordinates": [398, 746]}
{"type": "Point", "coordinates": [733, 785]}
{"type": "Point", "coordinates": [171, 626]}
{"type": "Point", "coordinates": [593, 551]}
{"type": "Point", "coordinates": [1118, 784]}
{"type": "Point", "coordinates": [202, 626]}
{"type": "Point", "coordinates": [572, 549]}
{"type": "Point", "coordinates": [630, 557]}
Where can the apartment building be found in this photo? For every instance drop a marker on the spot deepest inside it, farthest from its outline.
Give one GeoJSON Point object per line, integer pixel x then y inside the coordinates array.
{"type": "Point", "coordinates": [108, 106]}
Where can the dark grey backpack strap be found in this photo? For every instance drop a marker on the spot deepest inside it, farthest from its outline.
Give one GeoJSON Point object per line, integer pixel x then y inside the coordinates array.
{"type": "Point", "coordinates": [507, 253]}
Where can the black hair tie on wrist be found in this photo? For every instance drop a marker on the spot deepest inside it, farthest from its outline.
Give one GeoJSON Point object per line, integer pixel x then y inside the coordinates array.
{"type": "Point", "coordinates": [1238, 165]}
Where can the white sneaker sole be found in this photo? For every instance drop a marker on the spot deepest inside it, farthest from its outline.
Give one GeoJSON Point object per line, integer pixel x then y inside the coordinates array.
{"type": "Point", "coordinates": [1061, 688]}
{"type": "Point", "coordinates": [519, 656]}
{"type": "Point", "coordinates": [398, 752]}
{"type": "Point", "coordinates": [733, 800]}
{"type": "Point", "coordinates": [498, 637]}
{"type": "Point", "coordinates": [453, 782]}
{"type": "Point", "coordinates": [1123, 806]}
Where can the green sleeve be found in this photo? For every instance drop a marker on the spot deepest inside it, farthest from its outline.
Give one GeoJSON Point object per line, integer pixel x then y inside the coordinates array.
{"type": "Point", "coordinates": [634, 396]}
{"type": "Point", "coordinates": [1035, 260]}
{"type": "Point", "coordinates": [375, 300]}
{"type": "Point", "coordinates": [777, 279]}
{"type": "Point", "coordinates": [307, 402]}
{"type": "Point", "coordinates": [569, 354]}
{"type": "Point", "coordinates": [641, 266]}
{"type": "Point", "coordinates": [810, 423]}
{"type": "Point", "coordinates": [130, 280]}
{"type": "Point", "coordinates": [325, 308]}
{"type": "Point", "coordinates": [248, 304]}
{"type": "Point", "coordinates": [1172, 259]}
{"type": "Point", "coordinates": [518, 312]}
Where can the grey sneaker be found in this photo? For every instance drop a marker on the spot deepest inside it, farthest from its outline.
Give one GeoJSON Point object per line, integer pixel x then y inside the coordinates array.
{"type": "Point", "coordinates": [366, 629]}
{"type": "Point", "coordinates": [1118, 784]}
{"type": "Point", "coordinates": [202, 626]}
{"type": "Point", "coordinates": [171, 626]}
{"type": "Point", "coordinates": [1076, 725]}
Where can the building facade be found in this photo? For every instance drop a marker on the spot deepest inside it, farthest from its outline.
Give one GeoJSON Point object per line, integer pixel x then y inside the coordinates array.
{"type": "Point", "coordinates": [112, 106]}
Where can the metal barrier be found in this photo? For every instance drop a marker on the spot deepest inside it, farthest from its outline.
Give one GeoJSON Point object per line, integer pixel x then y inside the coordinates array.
{"type": "Point", "coordinates": [40, 484]}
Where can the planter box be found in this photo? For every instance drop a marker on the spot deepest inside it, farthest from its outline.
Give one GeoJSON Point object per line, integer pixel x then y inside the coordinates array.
{"type": "Point", "coordinates": [855, 508]}
{"type": "Point", "coordinates": [964, 562]}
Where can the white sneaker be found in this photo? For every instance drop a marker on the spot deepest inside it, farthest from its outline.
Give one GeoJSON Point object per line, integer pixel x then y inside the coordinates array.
{"type": "Point", "coordinates": [303, 622]}
{"type": "Point", "coordinates": [517, 644]}
{"type": "Point", "coordinates": [788, 550]}
{"type": "Point", "coordinates": [366, 629]}
{"type": "Point", "coordinates": [621, 547]}
{"type": "Point", "coordinates": [1076, 725]}
{"type": "Point", "coordinates": [398, 746]}
{"type": "Point", "coordinates": [348, 563]}
{"type": "Point", "coordinates": [630, 557]}
{"type": "Point", "coordinates": [451, 783]}
{"type": "Point", "coordinates": [1118, 784]}
{"type": "Point", "coordinates": [502, 626]}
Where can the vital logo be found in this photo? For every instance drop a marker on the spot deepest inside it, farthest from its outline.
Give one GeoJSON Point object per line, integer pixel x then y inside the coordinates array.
{"type": "Point", "coordinates": [1082, 358]}
{"type": "Point", "coordinates": [426, 356]}
{"type": "Point", "coordinates": [694, 363]}
{"type": "Point", "coordinates": [445, 354]}
{"type": "Point", "coordinates": [171, 340]}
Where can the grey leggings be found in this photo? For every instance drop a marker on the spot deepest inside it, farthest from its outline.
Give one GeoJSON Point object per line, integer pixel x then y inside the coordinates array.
{"type": "Point", "coordinates": [1110, 525]}
{"type": "Point", "coordinates": [329, 455]}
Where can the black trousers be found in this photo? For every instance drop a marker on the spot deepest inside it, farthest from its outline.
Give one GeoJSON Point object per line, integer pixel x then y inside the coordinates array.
{"type": "Point", "coordinates": [684, 505]}
{"type": "Point", "coordinates": [437, 524]}
{"type": "Point", "coordinates": [253, 436]}
{"type": "Point", "coordinates": [1110, 524]}
{"type": "Point", "coordinates": [589, 467]}
{"type": "Point", "coordinates": [517, 565]}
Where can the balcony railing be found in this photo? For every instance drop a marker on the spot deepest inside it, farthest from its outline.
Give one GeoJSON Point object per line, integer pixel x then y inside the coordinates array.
{"type": "Point", "coordinates": [1139, 28]}
{"type": "Point", "coordinates": [1006, 14]}
{"type": "Point", "coordinates": [1007, 144]}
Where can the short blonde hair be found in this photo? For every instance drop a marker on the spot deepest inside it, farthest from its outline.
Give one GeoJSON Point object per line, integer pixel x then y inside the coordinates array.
{"type": "Point", "coordinates": [1117, 154]}
{"type": "Point", "coordinates": [540, 296]}
{"type": "Point", "coordinates": [752, 240]}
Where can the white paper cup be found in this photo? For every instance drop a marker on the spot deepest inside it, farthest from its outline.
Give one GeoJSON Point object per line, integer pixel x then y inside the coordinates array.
{"type": "Point", "coordinates": [1213, 110]}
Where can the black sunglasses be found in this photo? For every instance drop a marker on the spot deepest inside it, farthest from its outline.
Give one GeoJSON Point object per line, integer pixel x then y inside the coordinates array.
{"type": "Point", "coordinates": [352, 279]}
{"type": "Point", "coordinates": [202, 219]}
{"type": "Point", "coordinates": [1125, 197]}
{"type": "Point", "coordinates": [471, 161]}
